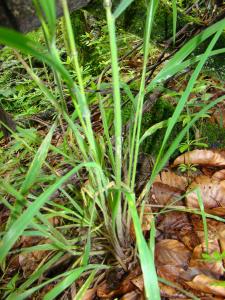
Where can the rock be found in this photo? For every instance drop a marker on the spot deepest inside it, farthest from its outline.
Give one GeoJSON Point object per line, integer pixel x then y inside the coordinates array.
{"type": "Point", "coordinates": [20, 14]}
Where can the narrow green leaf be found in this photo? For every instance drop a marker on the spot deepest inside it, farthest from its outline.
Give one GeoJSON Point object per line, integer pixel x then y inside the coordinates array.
{"type": "Point", "coordinates": [48, 7]}
{"type": "Point", "coordinates": [174, 5]}
{"type": "Point", "coordinates": [204, 221]}
{"type": "Point", "coordinates": [37, 162]}
{"type": "Point", "coordinates": [146, 256]}
{"type": "Point", "coordinates": [65, 283]}
{"type": "Point", "coordinates": [170, 67]}
{"type": "Point", "coordinates": [121, 8]}
{"type": "Point", "coordinates": [185, 96]}
{"type": "Point", "coordinates": [29, 292]}
{"type": "Point", "coordinates": [20, 42]}
{"type": "Point", "coordinates": [39, 271]}
{"type": "Point", "coordinates": [85, 286]}
{"type": "Point", "coordinates": [25, 219]}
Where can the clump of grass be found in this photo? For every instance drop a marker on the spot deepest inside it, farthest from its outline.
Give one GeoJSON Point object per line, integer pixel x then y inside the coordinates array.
{"type": "Point", "coordinates": [105, 200]}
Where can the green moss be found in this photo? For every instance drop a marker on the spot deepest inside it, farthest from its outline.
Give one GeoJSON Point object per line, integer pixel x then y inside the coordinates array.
{"type": "Point", "coordinates": [162, 110]}
{"type": "Point", "coordinates": [215, 65]}
{"type": "Point", "coordinates": [214, 134]}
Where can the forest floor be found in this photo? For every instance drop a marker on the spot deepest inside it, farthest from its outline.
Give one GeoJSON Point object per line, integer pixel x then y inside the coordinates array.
{"type": "Point", "coordinates": [186, 199]}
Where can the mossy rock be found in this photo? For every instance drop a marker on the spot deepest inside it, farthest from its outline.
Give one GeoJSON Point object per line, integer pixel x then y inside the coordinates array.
{"type": "Point", "coordinates": [133, 18]}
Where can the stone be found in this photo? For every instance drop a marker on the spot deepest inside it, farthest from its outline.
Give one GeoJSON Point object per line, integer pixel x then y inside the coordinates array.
{"type": "Point", "coordinates": [20, 14]}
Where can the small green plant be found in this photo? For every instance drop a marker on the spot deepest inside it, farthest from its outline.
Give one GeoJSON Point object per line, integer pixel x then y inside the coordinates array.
{"type": "Point", "coordinates": [213, 257]}
{"type": "Point", "coordinates": [187, 168]}
{"type": "Point", "coordinates": [190, 144]}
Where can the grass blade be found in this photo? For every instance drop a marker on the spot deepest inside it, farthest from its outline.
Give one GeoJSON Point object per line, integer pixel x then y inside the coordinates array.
{"type": "Point", "coordinates": [65, 283]}
{"type": "Point", "coordinates": [174, 5]}
{"type": "Point", "coordinates": [185, 96]}
{"type": "Point", "coordinates": [121, 8]}
{"type": "Point", "coordinates": [48, 7]}
{"type": "Point", "coordinates": [146, 256]}
{"type": "Point", "coordinates": [204, 221]}
{"type": "Point", "coordinates": [59, 288]}
{"type": "Point", "coordinates": [117, 217]}
{"type": "Point", "coordinates": [85, 286]}
{"type": "Point", "coordinates": [25, 219]}
{"type": "Point", "coordinates": [170, 67]}
{"type": "Point", "coordinates": [37, 162]}
{"type": "Point", "coordinates": [151, 9]}
{"type": "Point", "coordinates": [20, 42]}
{"type": "Point", "coordinates": [175, 145]}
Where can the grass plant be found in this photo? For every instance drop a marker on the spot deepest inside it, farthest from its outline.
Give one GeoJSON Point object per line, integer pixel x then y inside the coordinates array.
{"type": "Point", "coordinates": [106, 200]}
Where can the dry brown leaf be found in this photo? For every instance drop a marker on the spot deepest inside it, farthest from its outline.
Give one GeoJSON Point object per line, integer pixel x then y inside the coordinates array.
{"type": "Point", "coordinates": [117, 288]}
{"type": "Point", "coordinates": [210, 268]}
{"type": "Point", "coordinates": [134, 295]}
{"type": "Point", "coordinates": [105, 291]}
{"type": "Point", "coordinates": [215, 228]}
{"type": "Point", "coordinates": [176, 225]}
{"type": "Point", "coordinates": [174, 221]}
{"type": "Point", "coordinates": [213, 158]}
{"type": "Point", "coordinates": [90, 294]}
{"type": "Point", "coordinates": [138, 282]}
{"type": "Point", "coordinates": [218, 211]}
{"type": "Point", "coordinates": [30, 261]}
{"type": "Point", "coordinates": [170, 272]}
{"type": "Point", "coordinates": [163, 194]}
{"type": "Point", "coordinates": [171, 252]}
{"type": "Point", "coordinates": [170, 292]}
{"type": "Point", "coordinates": [205, 284]}
{"type": "Point", "coordinates": [13, 265]}
{"type": "Point", "coordinates": [212, 192]}
{"type": "Point", "coordinates": [146, 221]}
{"type": "Point", "coordinates": [219, 175]}
{"type": "Point", "coordinates": [172, 179]}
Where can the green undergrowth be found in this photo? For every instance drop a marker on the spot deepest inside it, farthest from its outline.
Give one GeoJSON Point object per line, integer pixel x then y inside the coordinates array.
{"type": "Point", "coordinates": [162, 110]}
{"type": "Point", "coordinates": [72, 182]}
{"type": "Point", "coordinates": [214, 135]}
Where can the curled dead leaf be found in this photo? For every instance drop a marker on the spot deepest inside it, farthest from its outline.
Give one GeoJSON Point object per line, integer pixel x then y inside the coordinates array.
{"type": "Point", "coordinates": [170, 292]}
{"type": "Point", "coordinates": [163, 194]}
{"type": "Point", "coordinates": [212, 192]}
{"type": "Point", "coordinates": [172, 179]}
{"type": "Point", "coordinates": [171, 252]}
{"type": "Point", "coordinates": [210, 268]}
{"type": "Point", "coordinates": [219, 175]}
{"type": "Point", "coordinates": [117, 287]}
{"type": "Point", "coordinates": [134, 295]}
{"type": "Point", "coordinates": [138, 282]}
{"type": "Point", "coordinates": [207, 284]}
{"type": "Point", "coordinates": [176, 225]}
{"type": "Point", "coordinates": [213, 158]}
{"type": "Point", "coordinates": [170, 272]}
